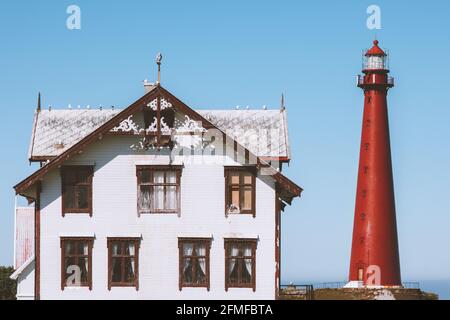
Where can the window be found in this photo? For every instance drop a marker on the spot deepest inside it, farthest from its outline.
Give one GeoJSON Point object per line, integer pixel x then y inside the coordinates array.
{"type": "Point", "coordinates": [158, 189]}
{"type": "Point", "coordinates": [240, 263]}
{"type": "Point", "coordinates": [76, 262]}
{"type": "Point", "coordinates": [194, 262]}
{"type": "Point", "coordinates": [240, 190]}
{"type": "Point", "coordinates": [77, 189]}
{"type": "Point", "coordinates": [123, 262]}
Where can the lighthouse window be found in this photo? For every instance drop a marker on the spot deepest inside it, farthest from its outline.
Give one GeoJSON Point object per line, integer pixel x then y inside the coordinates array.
{"type": "Point", "coordinates": [375, 62]}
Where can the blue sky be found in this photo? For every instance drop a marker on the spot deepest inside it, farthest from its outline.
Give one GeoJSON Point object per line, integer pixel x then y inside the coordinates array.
{"type": "Point", "coordinates": [219, 55]}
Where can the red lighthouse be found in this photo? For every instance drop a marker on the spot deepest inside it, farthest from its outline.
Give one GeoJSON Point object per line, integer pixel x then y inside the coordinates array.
{"type": "Point", "coordinates": [375, 258]}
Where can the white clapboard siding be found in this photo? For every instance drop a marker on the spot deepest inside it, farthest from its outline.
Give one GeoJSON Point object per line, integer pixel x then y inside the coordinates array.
{"type": "Point", "coordinates": [115, 214]}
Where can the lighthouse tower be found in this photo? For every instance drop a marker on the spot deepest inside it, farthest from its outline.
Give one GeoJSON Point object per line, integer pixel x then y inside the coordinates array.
{"type": "Point", "coordinates": [374, 257]}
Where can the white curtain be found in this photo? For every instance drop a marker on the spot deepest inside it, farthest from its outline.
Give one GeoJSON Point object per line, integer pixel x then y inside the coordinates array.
{"type": "Point", "coordinates": [171, 177]}
{"type": "Point", "coordinates": [68, 247]}
{"type": "Point", "coordinates": [145, 197]}
{"type": "Point", "coordinates": [86, 260]}
{"type": "Point", "coordinates": [187, 251]}
{"type": "Point", "coordinates": [158, 177]}
{"type": "Point", "coordinates": [201, 251]}
{"type": "Point", "coordinates": [234, 253]}
{"type": "Point", "coordinates": [131, 249]}
{"type": "Point", "coordinates": [115, 251]}
{"type": "Point", "coordinates": [248, 262]}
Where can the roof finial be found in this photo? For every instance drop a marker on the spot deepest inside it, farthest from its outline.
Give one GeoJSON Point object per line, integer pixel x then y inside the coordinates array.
{"type": "Point", "coordinates": [39, 102]}
{"type": "Point", "coordinates": [158, 62]}
{"type": "Point", "coordinates": [282, 107]}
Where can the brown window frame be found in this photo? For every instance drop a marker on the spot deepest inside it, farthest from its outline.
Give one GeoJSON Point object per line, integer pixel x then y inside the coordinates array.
{"type": "Point", "coordinates": [227, 245]}
{"type": "Point", "coordinates": [90, 243]}
{"type": "Point", "coordinates": [64, 171]}
{"type": "Point", "coordinates": [137, 244]}
{"type": "Point", "coordinates": [207, 242]}
{"type": "Point", "coordinates": [228, 186]}
{"type": "Point", "coordinates": [154, 168]}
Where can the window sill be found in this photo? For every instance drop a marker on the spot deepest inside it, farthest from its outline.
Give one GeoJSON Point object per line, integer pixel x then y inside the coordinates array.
{"type": "Point", "coordinates": [248, 287]}
{"type": "Point", "coordinates": [240, 214]}
{"type": "Point", "coordinates": [160, 213]}
{"type": "Point", "coordinates": [194, 287]}
{"type": "Point", "coordinates": [77, 213]}
{"type": "Point", "coordinates": [70, 288]}
{"type": "Point", "coordinates": [124, 286]}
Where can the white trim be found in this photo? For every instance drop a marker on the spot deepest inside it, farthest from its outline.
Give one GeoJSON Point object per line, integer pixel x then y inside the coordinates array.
{"type": "Point", "coordinates": [25, 296]}
{"type": "Point", "coordinates": [15, 231]}
{"type": "Point", "coordinates": [241, 236]}
{"type": "Point", "coordinates": [17, 273]}
{"type": "Point", "coordinates": [77, 235]}
{"type": "Point", "coordinates": [125, 235]}
{"type": "Point", "coordinates": [33, 134]}
{"type": "Point", "coordinates": [286, 134]}
{"type": "Point", "coordinates": [195, 235]}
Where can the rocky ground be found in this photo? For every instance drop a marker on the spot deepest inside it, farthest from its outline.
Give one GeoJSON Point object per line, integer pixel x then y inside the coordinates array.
{"type": "Point", "coordinates": [359, 294]}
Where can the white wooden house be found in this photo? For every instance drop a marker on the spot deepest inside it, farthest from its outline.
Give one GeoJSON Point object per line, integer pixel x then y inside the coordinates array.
{"type": "Point", "coordinates": [156, 201]}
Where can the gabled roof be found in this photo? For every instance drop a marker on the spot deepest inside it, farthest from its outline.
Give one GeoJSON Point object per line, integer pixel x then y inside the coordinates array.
{"type": "Point", "coordinates": [290, 188]}
{"type": "Point", "coordinates": [55, 131]}
{"type": "Point", "coordinates": [263, 132]}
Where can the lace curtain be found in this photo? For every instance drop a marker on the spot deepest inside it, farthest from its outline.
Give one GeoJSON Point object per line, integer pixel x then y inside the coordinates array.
{"type": "Point", "coordinates": [171, 177]}
{"type": "Point", "coordinates": [188, 248]}
{"type": "Point", "coordinates": [159, 196]}
{"type": "Point", "coordinates": [131, 249]}
{"type": "Point", "coordinates": [248, 262]}
{"type": "Point", "coordinates": [234, 252]}
{"type": "Point", "coordinates": [201, 252]}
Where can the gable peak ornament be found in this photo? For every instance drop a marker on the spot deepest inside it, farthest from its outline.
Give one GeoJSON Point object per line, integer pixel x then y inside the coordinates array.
{"type": "Point", "coordinates": [158, 62]}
